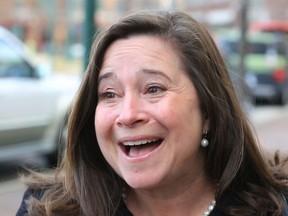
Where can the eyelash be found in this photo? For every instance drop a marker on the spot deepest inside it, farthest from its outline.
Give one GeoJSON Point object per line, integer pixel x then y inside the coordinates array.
{"type": "Point", "coordinates": [154, 89]}
{"type": "Point", "coordinates": [107, 95]}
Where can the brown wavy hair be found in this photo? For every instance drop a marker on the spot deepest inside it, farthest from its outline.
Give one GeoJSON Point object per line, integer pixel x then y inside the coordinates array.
{"type": "Point", "coordinates": [85, 184]}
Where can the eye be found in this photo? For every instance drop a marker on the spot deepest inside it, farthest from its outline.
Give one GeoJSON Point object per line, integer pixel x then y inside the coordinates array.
{"type": "Point", "coordinates": [107, 95]}
{"type": "Point", "coordinates": [154, 89]}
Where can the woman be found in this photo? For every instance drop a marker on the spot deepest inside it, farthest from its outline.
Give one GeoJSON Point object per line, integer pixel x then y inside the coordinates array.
{"type": "Point", "coordinates": [156, 129]}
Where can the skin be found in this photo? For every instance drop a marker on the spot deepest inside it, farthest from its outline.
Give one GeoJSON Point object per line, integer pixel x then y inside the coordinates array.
{"type": "Point", "coordinates": [145, 95]}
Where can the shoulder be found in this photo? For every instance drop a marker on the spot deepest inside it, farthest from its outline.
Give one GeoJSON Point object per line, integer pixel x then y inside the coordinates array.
{"type": "Point", "coordinates": [231, 201]}
{"type": "Point", "coordinates": [27, 195]}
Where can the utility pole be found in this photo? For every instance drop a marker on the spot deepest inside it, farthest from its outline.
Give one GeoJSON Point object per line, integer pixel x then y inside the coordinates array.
{"type": "Point", "coordinates": [243, 30]}
{"type": "Point", "coordinates": [242, 47]}
{"type": "Point", "coordinates": [89, 29]}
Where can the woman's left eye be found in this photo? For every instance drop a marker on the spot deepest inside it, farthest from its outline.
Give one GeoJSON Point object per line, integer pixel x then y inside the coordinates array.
{"type": "Point", "coordinates": [154, 89]}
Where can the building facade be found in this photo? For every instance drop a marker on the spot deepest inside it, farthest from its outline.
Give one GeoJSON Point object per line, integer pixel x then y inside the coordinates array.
{"type": "Point", "coordinates": [60, 22]}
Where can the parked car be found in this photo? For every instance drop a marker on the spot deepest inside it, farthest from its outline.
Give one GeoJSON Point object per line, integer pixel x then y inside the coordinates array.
{"type": "Point", "coordinates": [265, 63]}
{"type": "Point", "coordinates": [33, 103]}
{"type": "Point", "coordinates": [241, 89]}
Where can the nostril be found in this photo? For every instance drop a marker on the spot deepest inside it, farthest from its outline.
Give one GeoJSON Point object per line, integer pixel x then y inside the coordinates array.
{"type": "Point", "coordinates": [128, 122]}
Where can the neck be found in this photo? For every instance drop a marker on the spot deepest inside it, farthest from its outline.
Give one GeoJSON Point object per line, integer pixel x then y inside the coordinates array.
{"type": "Point", "coordinates": [189, 199]}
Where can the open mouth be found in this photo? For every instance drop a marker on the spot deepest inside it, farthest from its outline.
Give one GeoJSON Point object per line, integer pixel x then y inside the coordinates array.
{"type": "Point", "coordinates": [140, 148]}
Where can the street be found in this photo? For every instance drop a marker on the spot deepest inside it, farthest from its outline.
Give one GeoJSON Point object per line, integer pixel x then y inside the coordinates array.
{"type": "Point", "coordinates": [270, 122]}
{"type": "Point", "coordinates": [11, 189]}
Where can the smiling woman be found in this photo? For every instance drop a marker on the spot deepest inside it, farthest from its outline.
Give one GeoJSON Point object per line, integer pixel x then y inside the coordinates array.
{"type": "Point", "coordinates": [157, 129]}
{"type": "Point", "coordinates": [140, 112]}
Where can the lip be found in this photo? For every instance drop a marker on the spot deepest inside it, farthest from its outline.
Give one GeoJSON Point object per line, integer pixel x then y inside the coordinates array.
{"type": "Point", "coordinates": [137, 140]}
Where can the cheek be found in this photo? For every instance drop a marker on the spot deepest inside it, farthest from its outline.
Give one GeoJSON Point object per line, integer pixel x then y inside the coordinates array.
{"type": "Point", "coordinates": [167, 117]}
{"type": "Point", "coordinates": [103, 123]}
{"type": "Point", "coordinates": [171, 114]}
{"type": "Point", "coordinates": [102, 128]}
{"type": "Point", "coordinates": [183, 120]}
{"type": "Point", "coordinates": [98, 121]}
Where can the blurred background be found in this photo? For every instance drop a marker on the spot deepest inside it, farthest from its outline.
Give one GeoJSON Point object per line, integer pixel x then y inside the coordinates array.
{"type": "Point", "coordinates": [56, 29]}
{"type": "Point", "coordinates": [44, 50]}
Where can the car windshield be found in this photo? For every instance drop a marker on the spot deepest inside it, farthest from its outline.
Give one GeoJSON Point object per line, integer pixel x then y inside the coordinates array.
{"type": "Point", "coordinates": [9, 60]}
{"type": "Point", "coordinates": [7, 53]}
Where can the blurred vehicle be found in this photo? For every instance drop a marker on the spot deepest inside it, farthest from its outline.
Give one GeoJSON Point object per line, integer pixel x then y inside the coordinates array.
{"type": "Point", "coordinates": [277, 26]}
{"type": "Point", "coordinates": [242, 91]}
{"type": "Point", "coordinates": [265, 63]}
{"type": "Point", "coordinates": [33, 103]}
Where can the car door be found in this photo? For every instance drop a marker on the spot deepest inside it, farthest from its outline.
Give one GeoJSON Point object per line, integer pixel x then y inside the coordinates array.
{"type": "Point", "coordinates": [27, 105]}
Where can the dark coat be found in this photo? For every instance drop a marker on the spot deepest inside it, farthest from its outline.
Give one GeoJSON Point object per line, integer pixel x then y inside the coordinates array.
{"type": "Point", "coordinates": [123, 210]}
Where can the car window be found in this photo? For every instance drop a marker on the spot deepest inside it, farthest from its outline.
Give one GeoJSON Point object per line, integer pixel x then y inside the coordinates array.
{"type": "Point", "coordinates": [255, 47]}
{"type": "Point", "coordinates": [11, 63]}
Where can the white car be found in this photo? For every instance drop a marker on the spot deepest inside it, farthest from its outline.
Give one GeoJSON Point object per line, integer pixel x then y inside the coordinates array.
{"type": "Point", "coordinates": [33, 106]}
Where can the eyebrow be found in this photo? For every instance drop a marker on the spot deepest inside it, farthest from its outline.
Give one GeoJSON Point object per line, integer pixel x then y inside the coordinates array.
{"type": "Point", "coordinates": [145, 71]}
{"type": "Point", "coordinates": [156, 72]}
{"type": "Point", "coordinates": [105, 76]}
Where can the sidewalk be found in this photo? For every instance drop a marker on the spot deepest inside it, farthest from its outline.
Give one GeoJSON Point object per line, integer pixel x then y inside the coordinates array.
{"type": "Point", "coordinates": [11, 193]}
{"type": "Point", "coordinates": [265, 114]}
{"type": "Point", "coordinates": [271, 126]}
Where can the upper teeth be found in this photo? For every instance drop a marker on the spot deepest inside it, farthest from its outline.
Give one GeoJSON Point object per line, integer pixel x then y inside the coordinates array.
{"type": "Point", "coordinates": [140, 142]}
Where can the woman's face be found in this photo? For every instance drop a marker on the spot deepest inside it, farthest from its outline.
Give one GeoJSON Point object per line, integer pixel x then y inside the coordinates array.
{"type": "Point", "coordinates": [148, 119]}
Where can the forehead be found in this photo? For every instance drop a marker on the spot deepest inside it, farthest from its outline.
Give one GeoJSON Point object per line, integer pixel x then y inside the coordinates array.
{"type": "Point", "coordinates": [150, 45]}
{"type": "Point", "coordinates": [141, 53]}
{"type": "Point", "coordinates": [141, 48]}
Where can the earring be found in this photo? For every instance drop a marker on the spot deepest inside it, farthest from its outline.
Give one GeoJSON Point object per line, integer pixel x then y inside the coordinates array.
{"type": "Point", "coordinates": [204, 141]}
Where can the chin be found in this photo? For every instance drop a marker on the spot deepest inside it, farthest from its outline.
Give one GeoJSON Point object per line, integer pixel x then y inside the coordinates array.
{"type": "Point", "coordinates": [142, 182]}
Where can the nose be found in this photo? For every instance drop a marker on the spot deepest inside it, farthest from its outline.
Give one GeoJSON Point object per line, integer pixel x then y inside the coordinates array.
{"type": "Point", "coordinates": [131, 112]}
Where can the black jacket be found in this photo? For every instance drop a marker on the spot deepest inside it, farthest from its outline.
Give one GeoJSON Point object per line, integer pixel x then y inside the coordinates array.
{"type": "Point", "coordinates": [122, 210]}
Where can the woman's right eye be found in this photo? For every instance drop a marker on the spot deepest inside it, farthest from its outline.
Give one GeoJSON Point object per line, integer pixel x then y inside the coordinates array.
{"type": "Point", "coordinates": [107, 95]}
